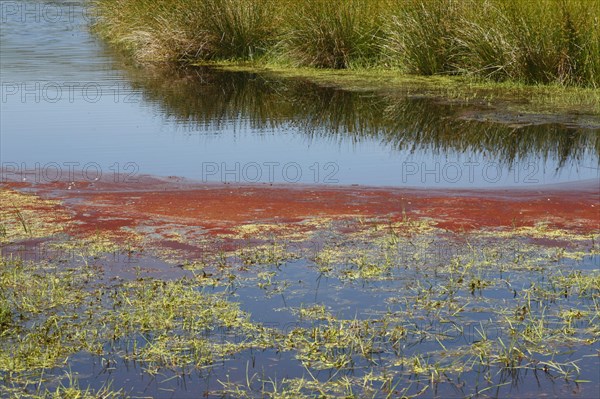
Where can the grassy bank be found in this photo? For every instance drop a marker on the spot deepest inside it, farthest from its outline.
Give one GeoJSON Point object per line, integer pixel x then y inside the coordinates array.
{"type": "Point", "coordinates": [508, 97]}
{"type": "Point", "coordinates": [548, 41]}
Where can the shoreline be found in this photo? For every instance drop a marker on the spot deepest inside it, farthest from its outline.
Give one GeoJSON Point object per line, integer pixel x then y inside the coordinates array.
{"type": "Point", "coordinates": [481, 57]}
{"type": "Point", "coordinates": [501, 102]}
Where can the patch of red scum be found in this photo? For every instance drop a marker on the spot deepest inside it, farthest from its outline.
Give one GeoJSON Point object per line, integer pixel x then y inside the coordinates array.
{"type": "Point", "coordinates": [217, 208]}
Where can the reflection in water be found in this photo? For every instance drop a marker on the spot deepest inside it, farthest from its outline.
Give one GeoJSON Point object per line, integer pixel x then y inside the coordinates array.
{"type": "Point", "coordinates": [206, 99]}
{"type": "Point", "coordinates": [199, 99]}
{"type": "Point", "coordinates": [245, 119]}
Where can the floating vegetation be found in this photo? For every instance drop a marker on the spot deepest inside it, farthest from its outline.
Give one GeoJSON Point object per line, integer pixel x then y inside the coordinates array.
{"type": "Point", "coordinates": [26, 216]}
{"type": "Point", "coordinates": [50, 313]}
{"type": "Point", "coordinates": [353, 308]}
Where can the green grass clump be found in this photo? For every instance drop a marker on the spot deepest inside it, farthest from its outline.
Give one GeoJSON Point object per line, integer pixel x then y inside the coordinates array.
{"type": "Point", "coordinates": [333, 34]}
{"type": "Point", "coordinates": [555, 41]}
{"type": "Point", "coordinates": [49, 313]}
{"type": "Point", "coordinates": [70, 389]}
{"type": "Point", "coordinates": [420, 35]}
{"type": "Point", "coordinates": [240, 29]}
{"type": "Point", "coordinates": [5, 316]}
{"type": "Point", "coordinates": [544, 41]}
{"type": "Point", "coordinates": [534, 42]}
{"type": "Point", "coordinates": [188, 29]}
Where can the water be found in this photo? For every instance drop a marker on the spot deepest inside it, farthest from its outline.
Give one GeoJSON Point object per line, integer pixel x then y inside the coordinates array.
{"type": "Point", "coordinates": [359, 299]}
{"type": "Point", "coordinates": [72, 107]}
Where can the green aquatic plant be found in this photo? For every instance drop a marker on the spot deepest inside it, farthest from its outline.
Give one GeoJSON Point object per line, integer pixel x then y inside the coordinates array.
{"type": "Point", "coordinates": [49, 313]}
{"type": "Point", "coordinates": [466, 312]}
{"type": "Point", "coordinates": [189, 29]}
{"type": "Point", "coordinates": [25, 216]}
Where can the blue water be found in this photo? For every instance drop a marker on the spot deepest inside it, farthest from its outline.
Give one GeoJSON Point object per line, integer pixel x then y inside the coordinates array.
{"type": "Point", "coordinates": [68, 105]}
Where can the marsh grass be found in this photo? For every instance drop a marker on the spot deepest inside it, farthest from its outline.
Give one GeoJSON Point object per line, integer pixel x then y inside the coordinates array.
{"type": "Point", "coordinates": [333, 34]}
{"type": "Point", "coordinates": [49, 313]}
{"type": "Point", "coordinates": [543, 42]}
{"type": "Point", "coordinates": [421, 35]}
{"type": "Point", "coordinates": [28, 216]}
{"type": "Point", "coordinates": [70, 389]}
{"type": "Point", "coordinates": [243, 29]}
{"type": "Point", "coordinates": [534, 42]}
{"type": "Point", "coordinates": [476, 316]}
{"type": "Point", "coordinates": [189, 29]}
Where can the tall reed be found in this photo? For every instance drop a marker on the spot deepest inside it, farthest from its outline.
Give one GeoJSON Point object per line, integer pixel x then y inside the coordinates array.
{"type": "Point", "coordinates": [189, 29]}
{"type": "Point", "coordinates": [542, 41]}
{"type": "Point", "coordinates": [333, 33]}
{"type": "Point", "coordinates": [421, 34]}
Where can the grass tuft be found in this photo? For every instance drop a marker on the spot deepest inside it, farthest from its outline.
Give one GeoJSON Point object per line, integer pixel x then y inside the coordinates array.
{"type": "Point", "coordinates": [539, 42]}
{"type": "Point", "coordinates": [334, 34]}
{"type": "Point", "coordinates": [188, 29]}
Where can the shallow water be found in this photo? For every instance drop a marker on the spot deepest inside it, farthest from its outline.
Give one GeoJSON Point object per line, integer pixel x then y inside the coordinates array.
{"type": "Point", "coordinates": [356, 299]}
{"type": "Point", "coordinates": [70, 107]}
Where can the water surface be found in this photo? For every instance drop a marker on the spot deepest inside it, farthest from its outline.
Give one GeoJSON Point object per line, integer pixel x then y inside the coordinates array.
{"type": "Point", "coordinates": [69, 103]}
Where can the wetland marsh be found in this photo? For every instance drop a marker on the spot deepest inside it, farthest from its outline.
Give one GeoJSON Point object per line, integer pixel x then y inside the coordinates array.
{"type": "Point", "coordinates": [322, 307]}
{"type": "Point", "coordinates": [236, 230]}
